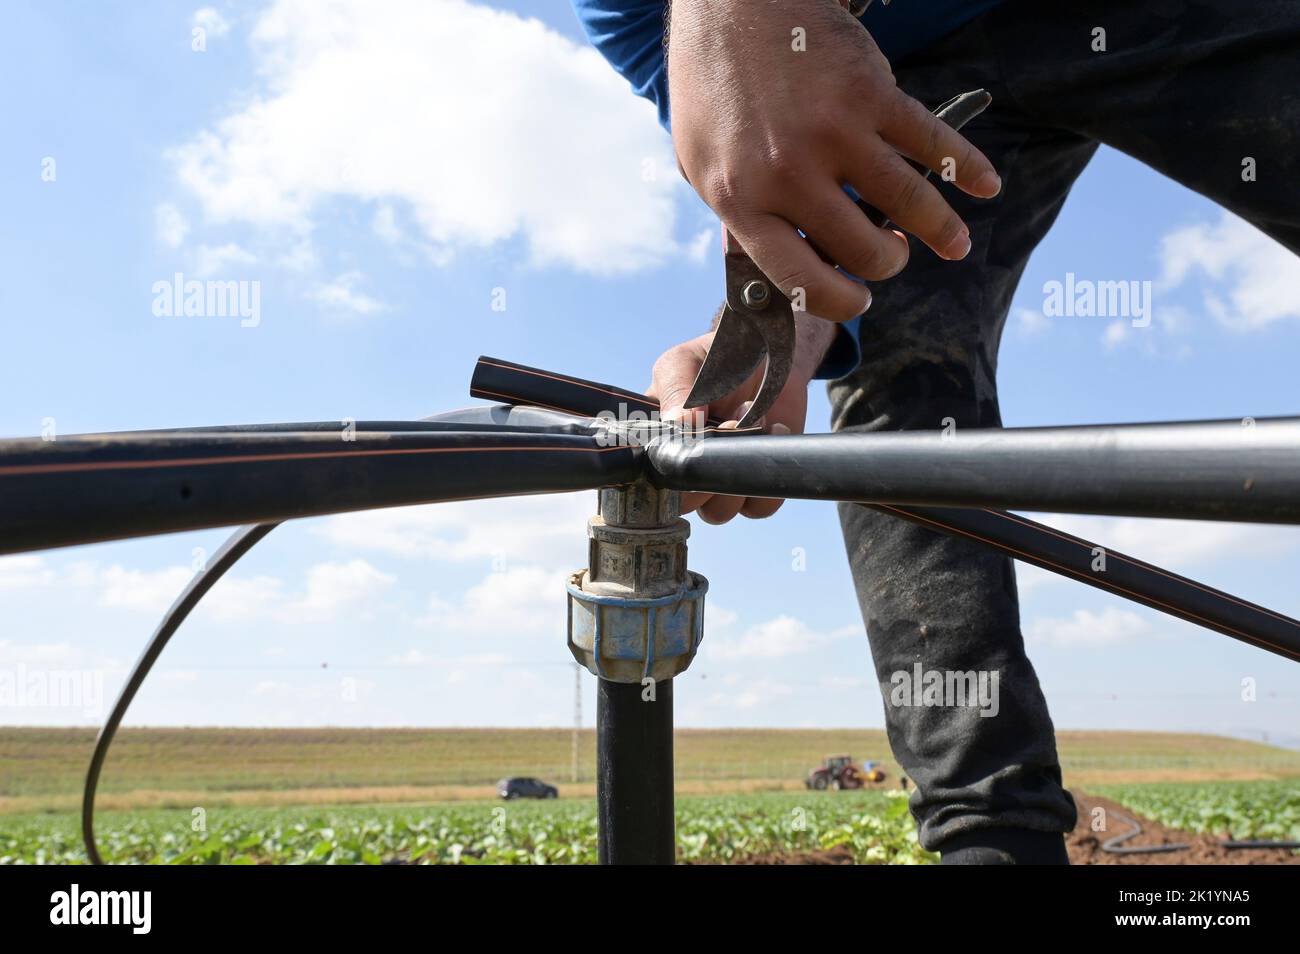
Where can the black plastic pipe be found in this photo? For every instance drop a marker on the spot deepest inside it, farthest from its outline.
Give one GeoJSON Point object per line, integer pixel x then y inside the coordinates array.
{"type": "Point", "coordinates": [89, 488]}
{"type": "Point", "coordinates": [1112, 571]}
{"type": "Point", "coordinates": [1214, 470]}
{"type": "Point", "coordinates": [496, 379]}
{"type": "Point", "coordinates": [634, 774]}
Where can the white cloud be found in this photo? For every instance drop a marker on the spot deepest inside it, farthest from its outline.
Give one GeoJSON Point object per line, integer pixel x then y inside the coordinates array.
{"type": "Point", "coordinates": [177, 676]}
{"type": "Point", "coordinates": [1170, 320]}
{"type": "Point", "coordinates": [212, 260]}
{"type": "Point", "coordinates": [774, 639]}
{"type": "Point", "coordinates": [342, 294]}
{"type": "Point", "coordinates": [244, 597]}
{"type": "Point", "coordinates": [1252, 280]}
{"type": "Point", "coordinates": [523, 600]}
{"type": "Point", "coordinates": [545, 530]}
{"type": "Point", "coordinates": [328, 589]}
{"type": "Point", "coordinates": [1085, 629]}
{"type": "Point", "coordinates": [385, 225]}
{"type": "Point", "coordinates": [1115, 334]}
{"type": "Point", "coordinates": [417, 657]}
{"type": "Point", "coordinates": [170, 225]}
{"type": "Point", "coordinates": [211, 20]}
{"type": "Point", "coordinates": [61, 655]}
{"type": "Point", "coordinates": [150, 591]}
{"type": "Point", "coordinates": [332, 587]}
{"type": "Point", "coordinates": [697, 250]}
{"type": "Point", "coordinates": [1031, 321]}
{"type": "Point", "coordinates": [849, 682]}
{"type": "Point", "coordinates": [1178, 545]}
{"type": "Point", "coordinates": [25, 571]}
{"type": "Point", "coordinates": [487, 126]}
{"type": "Point", "coordinates": [750, 695]}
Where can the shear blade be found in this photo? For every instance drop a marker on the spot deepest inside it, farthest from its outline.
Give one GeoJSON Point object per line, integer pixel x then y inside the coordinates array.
{"type": "Point", "coordinates": [736, 351]}
{"type": "Point", "coordinates": [778, 338]}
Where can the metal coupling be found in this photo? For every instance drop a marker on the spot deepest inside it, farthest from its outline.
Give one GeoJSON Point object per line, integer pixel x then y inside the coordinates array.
{"type": "Point", "coordinates": [636, 612]}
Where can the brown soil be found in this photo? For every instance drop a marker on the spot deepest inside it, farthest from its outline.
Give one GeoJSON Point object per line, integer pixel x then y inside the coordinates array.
{"type": "Point", "coordinates": [839, 855]}
{"type": "Point", "coordinates": [1084, 844]}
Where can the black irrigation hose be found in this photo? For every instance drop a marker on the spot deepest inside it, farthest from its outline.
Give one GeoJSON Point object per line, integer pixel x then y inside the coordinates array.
{"type": "Point", "coordinates": [1114, 572]}
{"type": "Point", "coordinates": [1112, 845]}
{"type": "Point", "coordinates": [1240, 845]}
{"type": "Point", "coordinates": [496, 379]}
{"type": "Point", "coordinates": [235, 547]}
{"type": "Point", "coordinates": [96, 487]}
{"type": "Point", "coordinates": [1203, 470]}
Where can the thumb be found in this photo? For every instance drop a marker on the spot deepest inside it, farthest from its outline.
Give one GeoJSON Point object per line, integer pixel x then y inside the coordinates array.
{"type": "Point", "coordinates": [674, 375]}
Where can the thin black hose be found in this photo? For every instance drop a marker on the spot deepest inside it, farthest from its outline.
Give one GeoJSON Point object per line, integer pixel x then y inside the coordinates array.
{"type": "Point", "coordinates": [239, 543]}
{"type": "Point", "coordinates": [1112, 845]}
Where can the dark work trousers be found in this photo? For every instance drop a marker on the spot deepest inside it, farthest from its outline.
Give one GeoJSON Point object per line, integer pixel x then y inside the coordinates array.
{"type": "Point", "coordinates": [1192, 88]}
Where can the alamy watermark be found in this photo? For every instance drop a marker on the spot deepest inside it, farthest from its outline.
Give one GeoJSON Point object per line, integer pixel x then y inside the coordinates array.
{"type": "Point", "coordinates": [25, 688]}
{"type": "Point", "coordinates": [212, 298]}
{"type": "Point", "coordinates": [946, 688]}
{"type": "Point", "coordinates": [633, 427]}
{"type": "Point", "coordinates": [1085, 298]}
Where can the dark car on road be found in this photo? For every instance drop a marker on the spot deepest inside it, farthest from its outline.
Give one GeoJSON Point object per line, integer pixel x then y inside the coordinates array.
{"type": "Point", "coordinates": [523, 787]}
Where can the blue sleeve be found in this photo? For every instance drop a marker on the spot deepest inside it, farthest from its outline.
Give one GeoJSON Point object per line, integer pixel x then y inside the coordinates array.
{"type": "Point", "coordinates": [630, 34]}
{"type": "Point", "coordinates": [844, 354]}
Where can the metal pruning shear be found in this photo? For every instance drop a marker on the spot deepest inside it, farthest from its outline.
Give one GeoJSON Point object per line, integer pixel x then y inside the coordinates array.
{"type": "Point", "coordinates": [757, 320]}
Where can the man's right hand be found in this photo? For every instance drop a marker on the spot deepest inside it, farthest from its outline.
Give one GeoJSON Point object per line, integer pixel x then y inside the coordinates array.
{"type": "Point", "coordinates": [767, 136]}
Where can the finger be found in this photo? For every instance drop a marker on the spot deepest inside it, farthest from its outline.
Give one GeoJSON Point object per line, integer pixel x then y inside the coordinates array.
{"type": "Point", "coordinates": [902, 193]}
{"type": "Point", "coordinates": [856, 245]}
{"type": "Point", "coordinates": [674, 374]}
{"type": "Point", "coordinates": [693, 500]}
{"type": "Point", "coordinates": [760, 508]}
{"type": "Point", "coordinates": [721, 509]}
{"type": "Point", "coordinates": [787, 259]}
{"type": "Point", "coordinates": [915, 132]}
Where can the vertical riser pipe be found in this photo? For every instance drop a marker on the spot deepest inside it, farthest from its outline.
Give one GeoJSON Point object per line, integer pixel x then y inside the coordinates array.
{"type": "Point", "coordinates": [634, 774]}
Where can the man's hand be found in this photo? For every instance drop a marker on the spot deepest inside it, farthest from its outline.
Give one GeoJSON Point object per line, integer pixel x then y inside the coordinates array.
{"type": "Point", "coordinates": [767, 134]}
{"type": "Point", "coordinates": [675, 372]}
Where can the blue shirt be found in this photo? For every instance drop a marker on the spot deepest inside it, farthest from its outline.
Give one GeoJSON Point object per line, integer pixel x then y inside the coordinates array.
{"type": "Point", "coordinates": [630, 34]}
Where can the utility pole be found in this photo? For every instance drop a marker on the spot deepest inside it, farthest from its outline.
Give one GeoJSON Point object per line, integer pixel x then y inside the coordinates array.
{"type": "Point", "coordinates": [577, 717]}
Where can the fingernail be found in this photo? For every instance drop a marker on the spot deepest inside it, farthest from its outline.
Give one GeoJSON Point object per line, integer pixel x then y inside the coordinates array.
{"type": "Point", "coordinates": [959, 247]}
{"type": "Point", "coordinates": [780, 430]}
{"type": "Point", "coordinates": [866, 304]}
{"type": "Point", "coordinates": [989, 184]}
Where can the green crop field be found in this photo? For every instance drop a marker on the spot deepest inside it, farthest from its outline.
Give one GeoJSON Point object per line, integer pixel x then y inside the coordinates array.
{"type": "Point", "coordinates": [868, 826]}
{"type": "Point", "coordinates": [1241, 810]}
{"type": "Point", "coordinates": [339, 796]}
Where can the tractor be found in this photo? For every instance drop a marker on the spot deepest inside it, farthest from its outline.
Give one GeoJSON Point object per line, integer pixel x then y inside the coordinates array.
{"type": "Point", "coordinates": [840, 771]}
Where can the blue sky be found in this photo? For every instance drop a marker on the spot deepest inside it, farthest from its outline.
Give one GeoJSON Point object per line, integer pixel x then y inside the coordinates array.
{"type": "Point", "coordinates": [380, 171]}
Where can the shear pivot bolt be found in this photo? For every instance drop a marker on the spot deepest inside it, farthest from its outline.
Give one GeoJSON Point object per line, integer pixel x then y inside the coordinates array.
{"type": "Point", "coordinates": [756, 294]}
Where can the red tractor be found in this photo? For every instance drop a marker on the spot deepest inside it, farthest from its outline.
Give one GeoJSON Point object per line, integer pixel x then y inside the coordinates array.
{"type": "Point", "coordinates": [839, 772]}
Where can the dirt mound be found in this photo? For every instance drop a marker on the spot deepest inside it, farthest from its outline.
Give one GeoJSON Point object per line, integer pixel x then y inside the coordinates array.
{"type": "Point", "coordinates": [1084, 844]}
